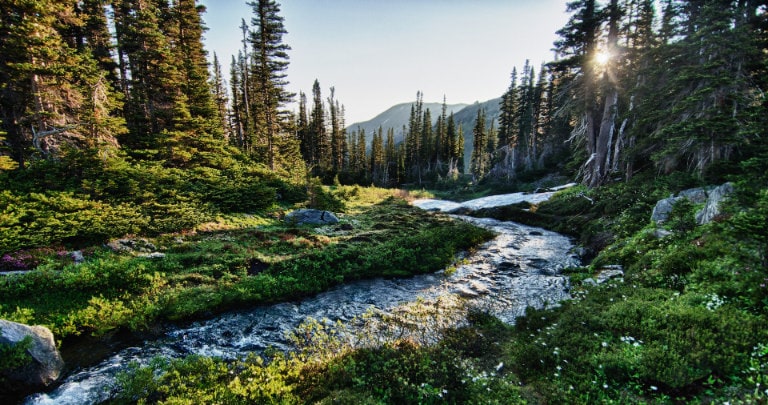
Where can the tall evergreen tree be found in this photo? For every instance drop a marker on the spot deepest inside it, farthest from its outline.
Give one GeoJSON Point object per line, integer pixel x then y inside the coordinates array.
{"type": "Point", "coordinates": [54, 91]}
{"type": "Point", "coordinates": [508, 111]}
{"type": "Point", "coordinates": [480, 161]}
{"type": "Point", "coordinates": [270, 61]}
{"type": "Point", "coordinates": [188, 28]}
{"type": "Point", "coordinates": [378, 175]}
{"type": "Point", "coordinates": [303, 132]}
{"type": "Point", "coordinates": [238, 115]}
{"type": "Point", "coordinates": [337, 136]}
{"type": "Point", "coordinates": [154, 101]}
{"type": "Point", "coordinates": [711, 113]}
{"type": "Point", "coordinates": [392, 175]}
{"type": "Point", "coordinates": [319, 142]}
{"type": "Point", "coordinates": [221, 99]}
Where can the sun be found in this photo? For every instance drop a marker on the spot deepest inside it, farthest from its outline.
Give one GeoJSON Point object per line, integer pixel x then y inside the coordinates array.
{"type": "Point", "coordinates": [602, 57]}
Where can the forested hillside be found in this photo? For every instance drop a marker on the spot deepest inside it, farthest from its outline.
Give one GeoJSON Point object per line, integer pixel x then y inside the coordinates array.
{"type": "Point", "coordinates": [115, 125]}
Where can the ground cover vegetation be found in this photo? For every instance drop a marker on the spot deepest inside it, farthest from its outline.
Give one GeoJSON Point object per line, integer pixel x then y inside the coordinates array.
{"type": "Point", "coordinates": [114, 132]}
{"type": "Point", "coordinates": [250, 260]}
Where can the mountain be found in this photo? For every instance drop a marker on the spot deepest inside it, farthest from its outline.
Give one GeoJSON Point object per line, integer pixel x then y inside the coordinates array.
{"type": "Point", "coordinates": [397, 116]}
{"type": "Point", "coordinates": [463, 114]}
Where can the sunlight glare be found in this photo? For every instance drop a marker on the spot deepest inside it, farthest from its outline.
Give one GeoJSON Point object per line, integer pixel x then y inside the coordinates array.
{"type": "Point", "coordinates": [602, 57]}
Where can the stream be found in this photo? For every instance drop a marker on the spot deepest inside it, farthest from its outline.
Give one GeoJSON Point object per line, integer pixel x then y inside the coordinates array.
{"type": "Point", "coordinates": [517, 269]}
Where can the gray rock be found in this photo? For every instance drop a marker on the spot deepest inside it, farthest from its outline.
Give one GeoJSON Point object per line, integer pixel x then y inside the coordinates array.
{"type": "Point", "coordinates": [45, 365]}
{"type": "Point", "coordinates": [311, 217]}
{"type": "Point", "coordinates": [695, 195]}
{"type": "Point", "coordinates": [661, 233]}
{"type": "Point", "coordinates": [77, 256]}
{"type": "Point", "coordinates": [713, 197]}
{"type": "Point", "coordinates": [714, 201]}
{"type": "Point", "coordinates": [605, 274]}
{"type": "Point", "coordinates": [662, 209]}
{"type": "Point", "coordinates": [153, 255]}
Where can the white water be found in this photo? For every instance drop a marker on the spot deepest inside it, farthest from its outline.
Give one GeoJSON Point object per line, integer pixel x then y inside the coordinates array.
{"type": "Point", "coordinates": [490, 201]}
{"type": "Point", "coordinates": [517, 269]}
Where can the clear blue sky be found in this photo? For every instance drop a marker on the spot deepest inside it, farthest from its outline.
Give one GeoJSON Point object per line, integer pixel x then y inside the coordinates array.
{"type": "Point", "coordinates": [378, 53]}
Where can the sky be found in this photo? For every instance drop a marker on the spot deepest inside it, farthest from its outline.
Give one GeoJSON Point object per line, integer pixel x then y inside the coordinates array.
{"type": "Point", "coordinates": [378, 53]}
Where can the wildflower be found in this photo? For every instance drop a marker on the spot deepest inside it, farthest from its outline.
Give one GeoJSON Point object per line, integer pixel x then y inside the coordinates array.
{"type": "Point", "coordinates": [499, 366]}
{"type": "Point", "coordinates": [654, 388]}
{"type": "Point", "coordinates": [605, 386]}
{"type": "Point", "coordinates": [604, 344]}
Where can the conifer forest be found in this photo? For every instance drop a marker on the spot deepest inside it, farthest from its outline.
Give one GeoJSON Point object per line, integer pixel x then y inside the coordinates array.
{"type": "Point", "coordinates": [145, 186]}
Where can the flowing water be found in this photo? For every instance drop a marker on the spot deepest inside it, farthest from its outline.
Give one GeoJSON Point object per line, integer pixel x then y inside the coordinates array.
{"type": "Point", "coordinates": [517, 269]}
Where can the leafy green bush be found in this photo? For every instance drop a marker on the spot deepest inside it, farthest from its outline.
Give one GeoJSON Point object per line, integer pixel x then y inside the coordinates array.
{"type": "Point", "coordinates": [14, 356]}
{"type": "Point", "coordinates": [42, 219]}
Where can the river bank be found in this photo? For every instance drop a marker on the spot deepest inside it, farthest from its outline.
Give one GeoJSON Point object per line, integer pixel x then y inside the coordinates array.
{"type": "Point", "coordinates": [515, 270]}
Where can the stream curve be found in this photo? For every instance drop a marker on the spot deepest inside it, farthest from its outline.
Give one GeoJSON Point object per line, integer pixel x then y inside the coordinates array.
{"type": "Point", "coordinates": [517, 269]}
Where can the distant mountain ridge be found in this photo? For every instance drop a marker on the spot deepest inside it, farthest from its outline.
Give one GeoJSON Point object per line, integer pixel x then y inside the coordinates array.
{"type": "Point", "coordinates": [397, 116]}
{"type": "Point", "coordinates": [463, 114]}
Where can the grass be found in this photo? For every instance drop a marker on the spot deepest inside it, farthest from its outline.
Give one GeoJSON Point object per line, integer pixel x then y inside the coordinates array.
{"type": "Point", "coordinates": [236, 261]}
{"type": "Point", "coordinates": [686, 324]}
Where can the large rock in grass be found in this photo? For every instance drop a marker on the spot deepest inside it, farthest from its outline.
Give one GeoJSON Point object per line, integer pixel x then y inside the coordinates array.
{"type": "Point", "coordinates": [715, 199]}
{"type": "Point", "coordinates": [44, 363]}
{"type": "Point", "coordinates": [311, 217]}
{"type": "Point", "coordinates": [712, 196]}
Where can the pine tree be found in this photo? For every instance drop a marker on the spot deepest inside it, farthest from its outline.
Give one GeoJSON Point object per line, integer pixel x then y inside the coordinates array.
{"type": "Point", "coordinates": [362, 159]}
{"type": "Point", "coordinates": [303, 132]}
{"type": "Point", "coordinates": [238, 115]}
{"type": "Point", "coordinates": [95, 35]}
{"type": "Point", "coordinates": [154, 102]}
{"type": "Point", "coordinates": [578, 47]}
{"type": "Point", "coordinates": [392, 174]}
{"type": "Point", "coordinates": [319, 142]}
{"type": "Point", "coordinates": [54, 91]}
{"type": "Point", "coordinates": [508, 111]}
{"type": "Point", "coordinates": [185, 18]}
{"type": "Point", "coordinates": [711, 113]}
{"type": "Point", "coordinates": [378, 175]}
{"type": "Point", "coordinates": [221, 99]}
{"type": "Point", "coordinates": [270, 63]}
{"type": "Point", "coordinates": [337, 135]}
{"type": "Point", "coordinates": [427, 142]}
{"type": "Point", "coordinates": [480, 161]}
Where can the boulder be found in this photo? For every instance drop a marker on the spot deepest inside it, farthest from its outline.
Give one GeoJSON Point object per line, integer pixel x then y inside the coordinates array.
{"type": "Point", "coordinates": [45, 364]}
{"type": "Point", "coordinates": [714, 201]}
{"type": "Point", "coordinates": [311, 217]}
{"type": "Point", "coordinates": [712, 197]}
{"type": "Point", "coordinates": [605, 274]}
{"type": "Point", "coordinates": [77, 256]}
{"type": "Point", "coordinates": [661, 233]}
{"type": "Point", "coordinates": [662, 209]}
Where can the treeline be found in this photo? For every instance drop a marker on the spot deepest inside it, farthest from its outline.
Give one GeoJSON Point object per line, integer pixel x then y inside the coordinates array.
{"type": "Point", "coordinates": [636, 88]}
{"type": "Point", "coordinates": [113, 124]}
{"type": "Point", "coordinates": [427, 151]}
{"type": "Point", "coordinates": [680, 88]}
{"type": "Point", "coordinates": [632, 88]}
{"type": "Point", "coordinates": [70, 81]}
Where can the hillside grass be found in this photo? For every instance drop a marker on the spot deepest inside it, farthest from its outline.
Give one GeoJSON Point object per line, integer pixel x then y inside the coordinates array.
{"type": "Point", "coordinates": [685, 324]}
{"type": "Point", "coordinates": [234, 261]}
